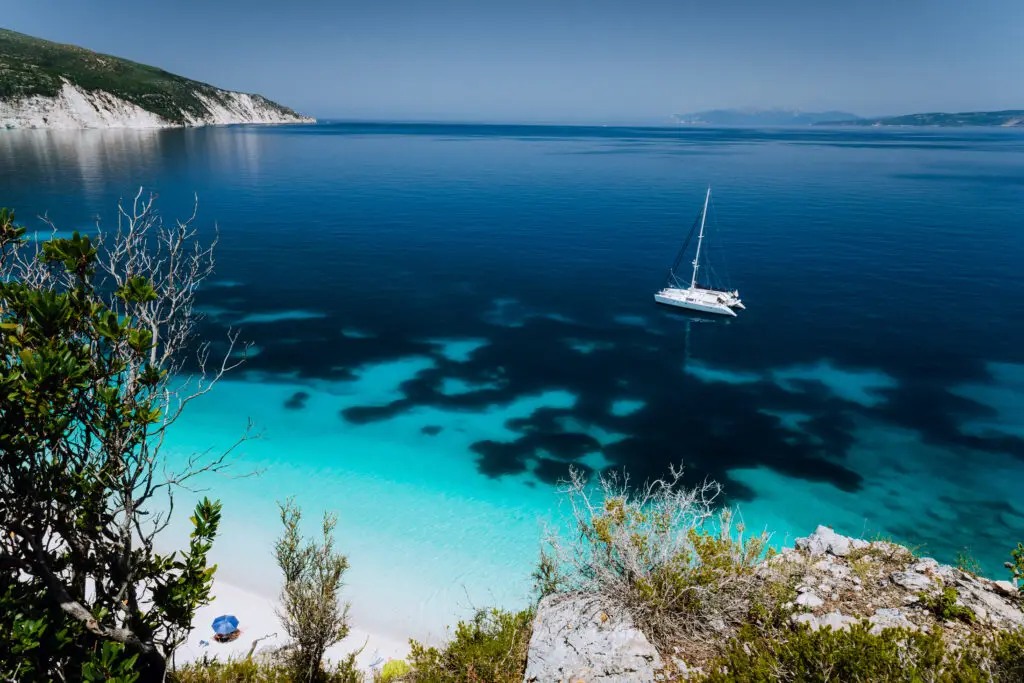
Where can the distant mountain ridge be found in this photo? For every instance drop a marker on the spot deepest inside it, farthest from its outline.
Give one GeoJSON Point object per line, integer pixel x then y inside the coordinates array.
{"type": "Point", "coordinates": [51, 85]}
{"type": "Point", "coordinates": [1005, 118]}
{"type": "Point", "coordinates": [761, 117]}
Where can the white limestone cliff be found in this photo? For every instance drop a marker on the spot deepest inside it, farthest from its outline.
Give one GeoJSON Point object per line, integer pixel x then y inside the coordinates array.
{"type": "Point", "coordinates": [74, 107]}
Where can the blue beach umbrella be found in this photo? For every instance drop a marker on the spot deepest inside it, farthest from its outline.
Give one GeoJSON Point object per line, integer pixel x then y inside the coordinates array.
{"type": "Point", "coordinates": [225, 624]}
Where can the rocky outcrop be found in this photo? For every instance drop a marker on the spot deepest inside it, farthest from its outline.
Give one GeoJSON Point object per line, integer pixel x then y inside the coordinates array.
{"type": "Point", "coordinates": [825, 541]}
{"type": "Point", "coordinates": [576, 637]}
{"type": "Point", "coordinates": [833, 581]}
{"type": "Point", "coordinates": [844, 580]}
{"type": "Point", "coordinates": [74, 107]}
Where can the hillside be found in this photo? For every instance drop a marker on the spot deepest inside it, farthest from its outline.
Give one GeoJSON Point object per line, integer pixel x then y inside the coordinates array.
{"type": "Point", "coordinates": [759, 117]}
{"type": "Point", "coordinates": [1010, 117]}
{"type": "Point", "coordinates": [50, 85]}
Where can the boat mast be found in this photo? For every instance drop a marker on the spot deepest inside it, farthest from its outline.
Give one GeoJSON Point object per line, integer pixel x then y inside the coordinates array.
{"type": "Point", "coordinates": [700, 238]}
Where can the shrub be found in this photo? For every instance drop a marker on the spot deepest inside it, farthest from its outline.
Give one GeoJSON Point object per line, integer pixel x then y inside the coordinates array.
{"type": "Point", "coordinates": [394, 670]}
{"type": "Point", "coordinates": [311, 611]}
{"type": "Point", "coordinates": [662, 552]}
{"type": "Point", "coordinates": [93, 334]}
{"type": "Point", "coordinates": [257, 671]}
{"type": "Point", "coordinates": [943, 605]}
{"type": "Point", "coordinates": [491, 647]}
{"type": "Point", "coordinates": [890, 656]}
{"type": "Point", "coordinates": [547, 577]}
{"type": "Point", "coordinates": [966, 562]}
{"type": "Point", "coordinates": [1016, 567]}
{"type": "Point", "coordinates": [1005, 652]}
{"type": "Point", "coordinates": [826, 655]}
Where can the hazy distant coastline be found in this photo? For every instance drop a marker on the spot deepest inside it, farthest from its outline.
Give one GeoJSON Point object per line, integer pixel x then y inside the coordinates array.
{"type": "Point", "coordinates": [1006, 118]}
{"type": "Point", "coordinates": [760, 117]}
{"type": "Point", "coordinates": [785, 117]}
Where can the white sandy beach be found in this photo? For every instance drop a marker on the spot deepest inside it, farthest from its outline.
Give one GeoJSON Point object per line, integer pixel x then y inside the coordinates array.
{"type": "Point", "coordinates": [257, 619]}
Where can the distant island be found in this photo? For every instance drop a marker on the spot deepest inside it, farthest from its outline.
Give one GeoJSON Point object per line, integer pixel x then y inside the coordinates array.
{"type": "Point", "coordinates": [761, 117]}
{"type": "Point", "coordinates": [1009, 117]}
{"type": "Point", "coordinates": [50, 85]}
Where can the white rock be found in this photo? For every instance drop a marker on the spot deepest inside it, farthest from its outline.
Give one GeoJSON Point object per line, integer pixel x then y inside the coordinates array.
{"type": "Point", "coordinates": [911, 581]}
{"type": "Point", "coordinates": [1006, 589]}
{"type": "Point", "coordinates": [578, 637]}
{"type": "Point", "coordinates": [809, 599]}
{"type": "Point", "coordinates": [834, 620]}
{"type": "Point", "coordinates": [840, 571]}
{"type": "Point", "coordinates": [74, 108]}
{"type": "Point", "coordinates": [988, 605]}
{"type": "Point", "coordinates": [925, 564]}
{"type": "Point", "coordinates": [890, 618]}
{"type": "Point", "coordinates": [825, 541]}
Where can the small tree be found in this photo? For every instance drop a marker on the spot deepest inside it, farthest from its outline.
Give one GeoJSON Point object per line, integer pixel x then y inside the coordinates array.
{"type": "Point", "coordinates": [311, 611]}
{"type": "Point", "coordinates": [1017, 567]}
{"type": "Point", "coordinates": [93, 337]}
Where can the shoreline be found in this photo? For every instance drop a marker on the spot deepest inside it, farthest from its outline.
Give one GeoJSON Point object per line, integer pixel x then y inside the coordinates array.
{"type": "Point", "coordinates": [257, 620]}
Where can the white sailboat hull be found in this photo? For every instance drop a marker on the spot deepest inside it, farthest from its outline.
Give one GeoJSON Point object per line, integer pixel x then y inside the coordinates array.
{"type": "Point", "coordinates": [697, 299]}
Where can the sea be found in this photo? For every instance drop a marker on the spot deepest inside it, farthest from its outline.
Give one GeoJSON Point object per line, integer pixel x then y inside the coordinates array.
{"type": "Point", "coordinates": [444, 318]}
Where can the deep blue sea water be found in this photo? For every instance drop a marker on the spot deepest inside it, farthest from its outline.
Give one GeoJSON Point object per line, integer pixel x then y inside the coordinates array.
{"type": "Point", "coordinates": [447, 316]}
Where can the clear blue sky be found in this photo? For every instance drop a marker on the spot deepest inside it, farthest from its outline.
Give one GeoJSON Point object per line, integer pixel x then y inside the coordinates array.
{"type": "Point", "coordinates": [564, 60]}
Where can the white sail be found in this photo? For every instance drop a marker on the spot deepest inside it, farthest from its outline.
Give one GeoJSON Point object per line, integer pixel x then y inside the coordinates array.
{"type": "Point", "coordinates": [695, 297]}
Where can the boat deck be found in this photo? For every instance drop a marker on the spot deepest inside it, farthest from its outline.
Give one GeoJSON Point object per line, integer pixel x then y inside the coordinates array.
{"type": "Point", "coordinates": [697, 299]}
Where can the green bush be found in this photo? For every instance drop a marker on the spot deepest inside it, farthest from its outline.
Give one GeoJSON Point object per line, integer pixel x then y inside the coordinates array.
{"type": "Point", "coordinates": [1017, 566]}
{"type": "Point", "coordinates": [92, 332]}
{"type": "Point", "coordinates": [943, 605]}
{"type": "Point", "coordinates": [257, 671]}
{"type": "Point", "coordinates": [966, 562]}
{"type": "Point", "coordinates": [1005, 652]}
{"type": "Point", "coordinates": [827, 655]}
{"type": "Point", "coordinates": [547, 577]}
{"type": "Point", "coordinates": [491, 647]}
{"type": "Point", "coordinates": [857, 655]}
{"type": "Point", "coordinates": [394, 671]}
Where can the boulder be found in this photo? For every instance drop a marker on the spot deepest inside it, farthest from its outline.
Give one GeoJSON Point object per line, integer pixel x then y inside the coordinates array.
{"type": "Point", "coordinates": [834, 620]}
{"type": "Point", "coordinates": [890, 618]}
{"type": "Point", "coordinates": [826, 541]}
{"type": "Point", "coordinates": [925, 565]}
{"type": "Point", "coordinates": [1006, 588]}
{"type": "Point", "coordinates": [983, 598]}
{"type": "Point", "coordinates": [912, 581]}
{"type": "Point", "coordinates": [809, 599]}
{"type": "Point", "coordinates": [577, 636]}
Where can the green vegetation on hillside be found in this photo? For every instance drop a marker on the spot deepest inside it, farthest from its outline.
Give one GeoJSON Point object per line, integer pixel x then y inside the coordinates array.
{"type": "Point", "coordinates": [32, 66]}
{"type": "Point", "coordinates": [1010, 117]}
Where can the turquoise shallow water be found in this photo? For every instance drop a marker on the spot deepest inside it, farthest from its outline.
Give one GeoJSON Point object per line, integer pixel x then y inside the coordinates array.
{"type": "Point", "coordinates": [445, 317]}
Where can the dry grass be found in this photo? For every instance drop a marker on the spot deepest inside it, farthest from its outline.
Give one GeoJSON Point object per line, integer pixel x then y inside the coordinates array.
{"type": "Point", "coordinates": [681, 568]}
{"type": "Point", "coordinates": [259, 669]}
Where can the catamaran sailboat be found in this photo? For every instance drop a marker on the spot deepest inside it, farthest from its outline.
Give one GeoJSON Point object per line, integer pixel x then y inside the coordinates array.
{"type": "Point", "coordinates": [697, 297]}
